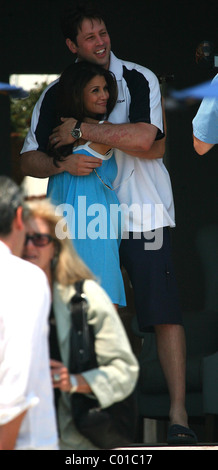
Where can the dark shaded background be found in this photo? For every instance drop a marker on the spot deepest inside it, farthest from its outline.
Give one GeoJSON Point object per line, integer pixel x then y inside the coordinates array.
{"type": "Point", "coordinates": [161, 35]}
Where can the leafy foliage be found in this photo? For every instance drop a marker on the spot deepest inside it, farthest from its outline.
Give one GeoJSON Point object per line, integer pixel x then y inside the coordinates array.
{"type": "Point", "coordinates": [21, 110]}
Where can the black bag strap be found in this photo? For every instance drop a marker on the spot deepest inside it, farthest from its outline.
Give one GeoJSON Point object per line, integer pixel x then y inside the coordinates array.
{"type": "Point", "coordinates": [78, 306]}
{"type": "Point", "coordinates": [82, 350]}
{"type": "Point", "coordinates": [79, 287]}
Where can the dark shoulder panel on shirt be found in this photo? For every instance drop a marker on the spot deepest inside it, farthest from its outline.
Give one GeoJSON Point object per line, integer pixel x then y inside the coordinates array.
{"type": "Point", "coordinates": [47, 117]}
{"type": "Point", "coordinates": [139, 110]}
{"type": "Point", "coordinates": [139, 90]}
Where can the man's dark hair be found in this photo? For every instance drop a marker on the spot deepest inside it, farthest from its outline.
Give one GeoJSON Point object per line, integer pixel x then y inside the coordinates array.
{"type": "Point", "coordinates": [74, 14]}
{"type": "Point", "coordinates": [11, 197]}
{"type": "Point", "coordinates": [70, 102]}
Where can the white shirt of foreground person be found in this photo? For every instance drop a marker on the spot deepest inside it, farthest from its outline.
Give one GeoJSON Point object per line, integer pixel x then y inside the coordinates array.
{"type": "Point", "coordinates": [25, 382]}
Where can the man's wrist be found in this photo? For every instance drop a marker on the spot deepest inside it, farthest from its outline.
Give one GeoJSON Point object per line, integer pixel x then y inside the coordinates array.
{"type": "Point", "coordinates": [76, 131]}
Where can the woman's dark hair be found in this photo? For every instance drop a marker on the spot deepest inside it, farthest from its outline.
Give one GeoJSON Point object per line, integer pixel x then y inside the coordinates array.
{"type": "Point", "coordinates": [70, 96]}
{"type": "Point", "coordinates": [71, 86]}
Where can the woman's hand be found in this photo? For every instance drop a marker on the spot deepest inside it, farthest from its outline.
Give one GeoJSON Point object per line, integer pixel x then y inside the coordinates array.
{"type": "Point", "coordinates": [60, 376]}
{"type": "Point", "coordinates": [80, 165]}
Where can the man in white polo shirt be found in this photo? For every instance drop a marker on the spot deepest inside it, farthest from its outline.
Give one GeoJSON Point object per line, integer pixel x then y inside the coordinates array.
{"type": "Point", "coordinates": [27, 416]}
{"type": "Point", "coordinates": [138, 137]}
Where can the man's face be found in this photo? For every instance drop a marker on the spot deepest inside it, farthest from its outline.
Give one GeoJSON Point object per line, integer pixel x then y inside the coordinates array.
{"type": "Point", "coordinates": [93, 43]}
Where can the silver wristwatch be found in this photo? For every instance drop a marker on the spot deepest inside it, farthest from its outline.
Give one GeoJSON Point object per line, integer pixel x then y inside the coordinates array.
{"type": "Point", "coordinates": [76, 132]}
{"type": "Point", "coordinates": [74, 384]}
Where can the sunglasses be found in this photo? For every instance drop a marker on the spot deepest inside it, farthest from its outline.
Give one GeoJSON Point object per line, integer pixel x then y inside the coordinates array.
{"type": "Point", "coordinates": [39, 239]}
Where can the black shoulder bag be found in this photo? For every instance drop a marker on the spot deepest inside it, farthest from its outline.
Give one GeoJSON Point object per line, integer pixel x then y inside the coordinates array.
{"type": "Point", "coordinates": [106, 428]}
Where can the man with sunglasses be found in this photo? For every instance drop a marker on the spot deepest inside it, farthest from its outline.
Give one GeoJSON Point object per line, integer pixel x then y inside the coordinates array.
{"type": "Point", "coordinates": [138, 138]}
{"type": "Point", "coordinates": [27, 416]}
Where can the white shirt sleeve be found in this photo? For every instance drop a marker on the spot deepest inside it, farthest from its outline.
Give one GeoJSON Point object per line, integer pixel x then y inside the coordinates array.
{"type": "Point", "coordinates": [23, 320]}
{"type": "Point", "coordinates": [205, 123]}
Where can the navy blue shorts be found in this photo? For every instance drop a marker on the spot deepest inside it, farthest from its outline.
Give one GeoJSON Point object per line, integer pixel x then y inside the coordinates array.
{"type": "Point", "coordinates": [152, 277]}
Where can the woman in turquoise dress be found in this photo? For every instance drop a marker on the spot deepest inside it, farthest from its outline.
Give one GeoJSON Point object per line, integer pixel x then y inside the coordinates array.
{"type": "Point", "coordinates": [88, 204]}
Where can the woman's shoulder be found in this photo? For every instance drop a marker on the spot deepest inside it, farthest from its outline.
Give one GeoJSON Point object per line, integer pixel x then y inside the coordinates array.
{"type": "Point", "coordinates": [95, 150]}
{"type": "Point", "coordinates": [90, 287]}
{"type": "Point", "coordinates": [95, 291]}
{"type": "Point", "coordinates": [97, 298]}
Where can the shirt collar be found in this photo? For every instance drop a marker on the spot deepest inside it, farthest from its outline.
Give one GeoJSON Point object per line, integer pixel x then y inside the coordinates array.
{"type": "Point", "coordinates": [4, 248]}
{"type": "Point", "coordinates": [116, 66]}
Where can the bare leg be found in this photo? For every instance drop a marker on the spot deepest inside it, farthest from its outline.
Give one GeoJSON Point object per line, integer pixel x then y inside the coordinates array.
{"type": "Point", "coordinates": [172, 354]}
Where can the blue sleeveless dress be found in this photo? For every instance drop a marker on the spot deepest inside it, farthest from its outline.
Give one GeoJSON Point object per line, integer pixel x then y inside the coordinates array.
{"type": "Point", "coordinates": [91, 210]}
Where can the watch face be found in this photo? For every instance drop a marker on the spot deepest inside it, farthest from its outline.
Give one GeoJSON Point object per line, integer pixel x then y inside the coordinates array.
{"type": "Point", "coordinates": [76, 133]}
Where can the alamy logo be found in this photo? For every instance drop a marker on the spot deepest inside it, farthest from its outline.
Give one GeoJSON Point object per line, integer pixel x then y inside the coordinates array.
{"type": "Point", "coordinates": [95, 221]}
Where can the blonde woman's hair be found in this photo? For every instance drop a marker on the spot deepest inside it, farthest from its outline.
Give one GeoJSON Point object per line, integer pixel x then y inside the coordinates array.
{"type": "Point", "coordinates": [68, 266]}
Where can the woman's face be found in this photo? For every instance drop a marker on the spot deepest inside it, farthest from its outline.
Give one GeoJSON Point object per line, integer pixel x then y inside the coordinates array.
{"type": "Point", "coordinates": [95, 96]}
{"type": "Point", "coordinates": [39, 250]}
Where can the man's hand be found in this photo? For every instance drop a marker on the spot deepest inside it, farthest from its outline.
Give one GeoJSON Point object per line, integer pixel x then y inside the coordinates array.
{"type": "Point", "coordinates": [61, 135]}
{"type": "Point", "coordinates": [201, 147]}
{"type": "Point", "coordinates": [80, 165]}
{"type": "Point", "coordinates": [39, 165]}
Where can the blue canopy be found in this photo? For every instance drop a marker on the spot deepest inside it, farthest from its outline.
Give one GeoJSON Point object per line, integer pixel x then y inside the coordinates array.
{"type": "Point", "coordinates": [204, 90]}
{"type": "Point", "coordinates": [13, 91]}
